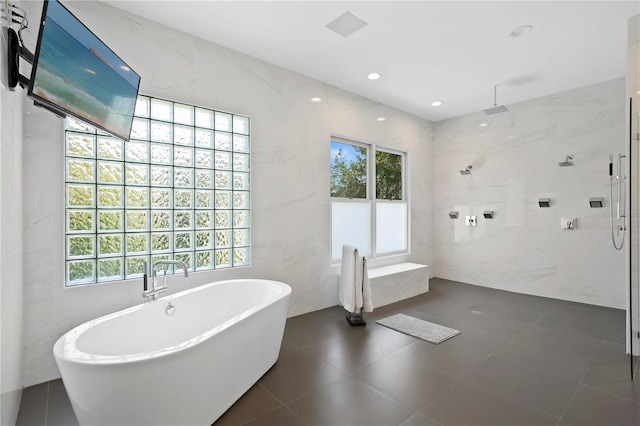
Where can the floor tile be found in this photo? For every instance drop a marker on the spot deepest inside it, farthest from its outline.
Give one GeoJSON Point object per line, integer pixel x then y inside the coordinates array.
{"type": "Point", "coordinates": [256, 402]}
{"type": "Point", "coordinates": [505, 314]}
{"type": "Point", "coordinates": [536, 304]}
{"type": "Point", "coordinates": [593, 313]}
{"type": "Point", "coordinates": [447, 357]}
{"type": "Point", "coordinates": [282, 416]}
{"type": "Point", "coordinates": [615, 353]}
{"type": "Point", "coordinates": [60, 412]}
{"type": "Point", "coordinates": [287, 347]}
{"type": "Point", "coordinates": [617, 334]}
{"type": "Point", "coordinates": [343, 354]}
{"type": "Point", "coordinates": [464, 403]}
{"type": "Point", "coordinates": [479, 340]}
{"type": "Point", "coordinates": [463, 302]}
{"type": "Point", "coordinates": [405, 381]}
{"type": "Point", "coordinates": [611, 372]}
{"type": "Point", "coordinates": [437, 310]}
{"type": "Point", "coordinates": [349, 402]}
{"type": "Point", "coordinates": [419, 419]}
{"type": "Point", "coordinates": [593, 407]}
{"type": "Point", "coordinates": [305, 331]}
{"type": "Point", "coordinates": [565, 338]}
{"type": "Point", "coordinates": [315, 326]}
{"type": "Point", "coordinates": [379, 339]}
{"type": "Point", "coordinates": [574, 324]}
{"type": "Point", "coordinates": [549, 356]}
{"type": "Point", "coordinates": [589, 320]}
{"type": "Point", "coordinates": [526, 385]}
{"type": "Point", "coordinates": [35, 389]}
{"type": "Point", "coordinates": [418, 303]}
{"type": "Point", "coordinates": [297, 373]}
{"type": "Point", "coordinates": [618, 331]}
{"type": "Point", "coordinates": [384, 339]}
{"type": "Point", "coordinates": [33, 408]}
{"type": "Point", "coordinates": [55, 384]}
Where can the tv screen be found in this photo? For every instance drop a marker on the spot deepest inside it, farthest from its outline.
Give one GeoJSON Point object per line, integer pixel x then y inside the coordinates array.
{"type": "Point", "coordinates": [76, 74]}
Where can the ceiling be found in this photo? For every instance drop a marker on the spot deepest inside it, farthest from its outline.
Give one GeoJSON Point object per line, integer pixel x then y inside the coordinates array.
{"type": "Point", "coordinates": [426, 51]}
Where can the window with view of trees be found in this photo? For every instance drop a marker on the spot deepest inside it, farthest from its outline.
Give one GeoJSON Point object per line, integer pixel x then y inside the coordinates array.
{"type": "Point", "coordinates": [348, 170]}
{"type": "Point", "coordinates": [179, 189]}
{"type": "Point", "coordinates": [368, 206]}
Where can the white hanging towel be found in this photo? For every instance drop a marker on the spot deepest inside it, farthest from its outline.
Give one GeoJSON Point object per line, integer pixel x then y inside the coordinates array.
{"type": "Point", "coordinates": [347, 293]}
{"type": "Point", "coordinates": [354, 291]}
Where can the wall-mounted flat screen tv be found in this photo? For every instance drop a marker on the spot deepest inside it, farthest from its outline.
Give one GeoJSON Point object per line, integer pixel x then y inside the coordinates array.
{"type": "Point", "coordinates": [75, 73]}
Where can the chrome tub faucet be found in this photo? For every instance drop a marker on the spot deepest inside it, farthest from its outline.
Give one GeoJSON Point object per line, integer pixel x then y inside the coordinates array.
{"type": "Point", "coordinates": [151, 294]}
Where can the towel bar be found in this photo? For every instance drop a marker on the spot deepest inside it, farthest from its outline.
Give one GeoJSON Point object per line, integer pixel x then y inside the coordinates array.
{"type": "Point", "coordinates": [353, 271]}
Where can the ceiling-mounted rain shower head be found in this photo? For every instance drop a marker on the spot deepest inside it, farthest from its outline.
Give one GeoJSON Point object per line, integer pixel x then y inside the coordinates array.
{"type": "Point", "coordinates": [467, 170]}
{"type": "Point", "coordinates": [496, 108]}
{"type": "Point", "coordinates": [568, 161]}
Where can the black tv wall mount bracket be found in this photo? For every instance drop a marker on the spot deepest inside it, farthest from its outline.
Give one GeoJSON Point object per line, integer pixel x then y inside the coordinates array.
{"type": "Point", "coordinates": [15, 48]}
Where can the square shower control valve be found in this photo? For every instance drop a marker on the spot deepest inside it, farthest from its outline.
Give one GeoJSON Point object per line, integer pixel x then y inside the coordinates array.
{"type": "Point", "coordinates": [471, 221]}
{"type": "Point", "coordinates": [569, 223]}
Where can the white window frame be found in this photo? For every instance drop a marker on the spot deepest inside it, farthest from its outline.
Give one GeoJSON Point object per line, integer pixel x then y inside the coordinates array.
{"type": "Point", "coordinates": [371, 199]}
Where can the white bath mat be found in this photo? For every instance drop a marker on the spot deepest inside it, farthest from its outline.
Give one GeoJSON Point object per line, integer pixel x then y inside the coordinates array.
{"type": "Point", "coordinates": [421, 329]}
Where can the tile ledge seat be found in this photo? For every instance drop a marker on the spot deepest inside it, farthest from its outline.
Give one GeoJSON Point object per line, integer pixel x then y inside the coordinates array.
{"type": "Point", "coordinates": [383, 271]}
{"type": "Point", "coordinates": [396, 282]}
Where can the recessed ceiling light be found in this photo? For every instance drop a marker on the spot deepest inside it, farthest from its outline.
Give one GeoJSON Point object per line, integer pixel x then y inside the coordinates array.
{"type": "Point", "coordinates": [522, 30]}
{"type": "Point", "coordinates": [373, 76]}
{"type": "Point", "coordinates": [638, 92]}
{"type": "Point", "coordinates": [316, 100]}
{"type": "Point", "coordinates": [380, 119]}
{"type": "Point", "coordinates": [436, 103]}
{"type": "Point", "coordinates": [483, 124]}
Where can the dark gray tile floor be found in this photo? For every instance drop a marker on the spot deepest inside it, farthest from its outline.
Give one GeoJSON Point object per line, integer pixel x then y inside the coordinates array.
{"type": "Point", "coordinates": [520, 360]}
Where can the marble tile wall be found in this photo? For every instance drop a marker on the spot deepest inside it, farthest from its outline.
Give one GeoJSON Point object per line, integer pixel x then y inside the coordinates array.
{"type": "Point", "coordinates": [290, 174]}
{"type": "Point", "coordinates": [11, 242]}
{"type": "Point", "coordinates": [514, 162]}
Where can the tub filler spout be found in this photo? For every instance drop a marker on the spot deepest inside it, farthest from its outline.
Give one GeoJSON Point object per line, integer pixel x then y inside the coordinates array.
{"type": "Point", "coordinates": [151, 294]}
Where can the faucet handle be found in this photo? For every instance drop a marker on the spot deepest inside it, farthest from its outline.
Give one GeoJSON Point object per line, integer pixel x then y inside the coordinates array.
{"type": "Point", "coordinates": [145, 275]}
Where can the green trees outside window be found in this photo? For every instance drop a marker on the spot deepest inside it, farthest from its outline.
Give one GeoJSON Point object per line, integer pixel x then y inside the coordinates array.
{"type": "Point", "coordinates": [349, 172]}
{"type": "Point", "coordinates": [388, 176]}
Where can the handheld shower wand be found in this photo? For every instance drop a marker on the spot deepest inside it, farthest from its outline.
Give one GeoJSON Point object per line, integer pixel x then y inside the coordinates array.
{"type": "Point", "coordinates": [622, 187]}
{"type": "Point", "coordinates": [620, 179]}
{"type": "Point", "coordinates": [610, 165]}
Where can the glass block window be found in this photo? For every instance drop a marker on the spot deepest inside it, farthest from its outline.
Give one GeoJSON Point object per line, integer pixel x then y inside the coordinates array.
{"type": "Point", "coordinates": [179, 189]}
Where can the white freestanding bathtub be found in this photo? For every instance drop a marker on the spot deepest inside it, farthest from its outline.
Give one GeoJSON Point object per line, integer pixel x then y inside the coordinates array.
{"type": "Point", "coordinates": [181, 360]}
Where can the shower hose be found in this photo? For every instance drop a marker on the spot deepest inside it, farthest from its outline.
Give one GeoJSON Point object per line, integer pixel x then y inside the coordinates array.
{"type": "Point", "coordinates": [613, 239]}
